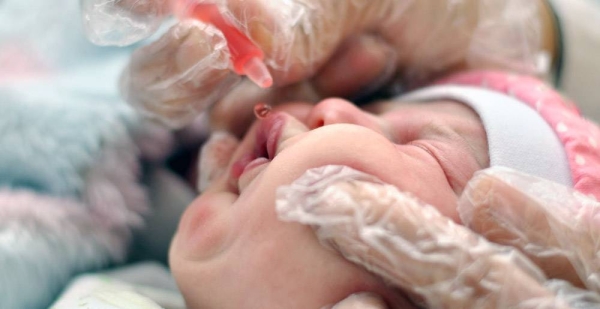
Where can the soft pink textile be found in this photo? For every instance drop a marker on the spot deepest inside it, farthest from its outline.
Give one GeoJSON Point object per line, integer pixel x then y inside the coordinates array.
{"type": "Point", "coordinates": [580, 137]}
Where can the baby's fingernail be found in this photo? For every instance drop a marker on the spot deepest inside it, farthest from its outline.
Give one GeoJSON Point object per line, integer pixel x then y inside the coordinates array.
{"type": "Point", "coordinates": [214, 157]}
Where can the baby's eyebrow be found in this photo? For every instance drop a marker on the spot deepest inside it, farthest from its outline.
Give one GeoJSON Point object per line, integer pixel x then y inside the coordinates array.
{"type": "Point", "coordinates": [440, 131]}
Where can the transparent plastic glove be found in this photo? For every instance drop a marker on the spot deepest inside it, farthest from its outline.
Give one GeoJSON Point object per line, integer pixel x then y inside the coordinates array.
{"type": "Point", "coordinates": [413, 247]}
{"type": "Point", "coordinates": [122, 22]}
{"type": "Point", "coordinates": [180, 75]}
{"type": "Point", "coordinates": [317, 48]}
{"type": "Point", "coordinates": [555, 226]}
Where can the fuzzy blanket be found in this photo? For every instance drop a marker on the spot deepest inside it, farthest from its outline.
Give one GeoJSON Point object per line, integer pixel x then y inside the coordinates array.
{"type": "Point", "coordinates": [71, 155]}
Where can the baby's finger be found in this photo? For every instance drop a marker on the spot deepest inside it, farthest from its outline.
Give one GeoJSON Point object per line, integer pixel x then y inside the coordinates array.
{"type": "Point", "coordinates": [555, 226]}
{"type": "Point", "coordinates": [410, 244]}
{"type": "Point", "coordinates": [180, 75]}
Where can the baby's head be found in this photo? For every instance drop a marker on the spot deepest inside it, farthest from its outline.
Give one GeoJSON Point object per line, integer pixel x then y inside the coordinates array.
{"type": "Point", "coordinates": [231, 251]}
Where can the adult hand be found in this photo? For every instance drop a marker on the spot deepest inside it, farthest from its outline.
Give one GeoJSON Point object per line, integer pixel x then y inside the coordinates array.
{"type": "Point", "coordinates": [122, 22]}
{"type": "Point", "coordinates": [315, 49]}
{"type": "Point", "coordinates": [539, 249]}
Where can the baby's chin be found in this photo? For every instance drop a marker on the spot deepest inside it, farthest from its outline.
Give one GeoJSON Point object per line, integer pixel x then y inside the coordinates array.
{"type": "Point", "coordinates": [263, 275]}
{"type": "Point", "coordinates": [266, 291]}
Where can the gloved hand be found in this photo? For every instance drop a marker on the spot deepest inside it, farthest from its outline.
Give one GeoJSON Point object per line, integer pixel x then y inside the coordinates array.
{"type": "Point", "coordinates": [313, 48]}
{"type": "Point", "coordinates": [539, 249]}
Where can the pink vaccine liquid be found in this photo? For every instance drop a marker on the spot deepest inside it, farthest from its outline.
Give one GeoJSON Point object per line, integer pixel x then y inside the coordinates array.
{"type": "Point", "coordinates": [246, 57]}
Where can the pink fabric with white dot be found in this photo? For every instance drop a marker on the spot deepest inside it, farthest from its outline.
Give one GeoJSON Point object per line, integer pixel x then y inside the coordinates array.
{"type": "Point", "coordinates": [580, 137]}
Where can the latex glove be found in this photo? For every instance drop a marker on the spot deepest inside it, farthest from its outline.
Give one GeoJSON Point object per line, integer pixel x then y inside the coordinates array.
{"type": "Point", "coordinates": [443, 264]}
{"type": "Point", "coordinates": [316, 48]}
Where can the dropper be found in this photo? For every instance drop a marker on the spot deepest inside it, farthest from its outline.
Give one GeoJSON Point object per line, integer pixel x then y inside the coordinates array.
{"type": "Point", "coordinates": [246, 57]}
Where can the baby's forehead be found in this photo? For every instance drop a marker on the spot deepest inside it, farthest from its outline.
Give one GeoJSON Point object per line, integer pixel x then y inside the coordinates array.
{"type": "Point", "coordinates": [429, 117]}
{"type": "Point", "coordinates": [438, 106]}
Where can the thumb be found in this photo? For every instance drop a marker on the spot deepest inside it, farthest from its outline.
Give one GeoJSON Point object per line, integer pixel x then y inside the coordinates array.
{"type": "Point", "coordinates": [299, 36]}
{"type": "Point", "coordinates": [180, 75]}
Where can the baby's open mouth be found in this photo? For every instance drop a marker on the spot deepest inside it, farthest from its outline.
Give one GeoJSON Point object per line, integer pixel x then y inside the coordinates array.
{"type": "Point", "coordinates": [267, 138]}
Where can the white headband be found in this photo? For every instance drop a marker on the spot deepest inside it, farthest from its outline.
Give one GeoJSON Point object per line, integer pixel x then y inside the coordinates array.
{"type": "Point", "coordinates": [513, 129]}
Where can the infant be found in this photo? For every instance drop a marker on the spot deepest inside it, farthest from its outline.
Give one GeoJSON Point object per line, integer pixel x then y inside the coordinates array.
{"type": "Point", "coordinates": [231, 251]}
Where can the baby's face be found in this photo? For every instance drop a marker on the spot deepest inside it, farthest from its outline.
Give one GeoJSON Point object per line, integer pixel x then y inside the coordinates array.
{"type": "Point", "coordinates": [231, 251]}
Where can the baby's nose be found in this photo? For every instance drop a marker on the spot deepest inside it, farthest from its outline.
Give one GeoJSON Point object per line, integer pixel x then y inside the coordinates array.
{"type": "Point", "coordinates": [332, 111]}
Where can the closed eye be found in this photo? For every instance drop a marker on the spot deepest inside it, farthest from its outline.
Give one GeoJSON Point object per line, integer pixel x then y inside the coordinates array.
{"type": "Point", "coordinates": [445, 155]}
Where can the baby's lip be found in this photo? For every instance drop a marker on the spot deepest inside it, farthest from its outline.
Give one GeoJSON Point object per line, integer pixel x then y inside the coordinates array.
{"type": "Point", "coordinates": [270, 135]}
{"type": "Point", "coordinates": [266, 139]}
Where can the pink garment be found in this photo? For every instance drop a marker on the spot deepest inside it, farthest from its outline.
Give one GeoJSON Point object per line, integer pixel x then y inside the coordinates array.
{"type": "Point", "coordinates": [580, 137]}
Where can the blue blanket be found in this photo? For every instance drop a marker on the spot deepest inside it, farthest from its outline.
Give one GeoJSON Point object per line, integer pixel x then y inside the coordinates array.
{"type": "Point", "coordinates": [71, 153]}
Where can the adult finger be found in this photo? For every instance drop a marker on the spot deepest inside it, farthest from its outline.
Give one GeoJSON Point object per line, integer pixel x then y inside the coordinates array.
{"type": "Point", "coordinates": [555, 226]}
{"type": "Point", "coordinates": [180, 75]}
{"type": "Point", "coordinates": [122, 22]}
{"type": "Point", "coordinates": [410, 243]}
{"type": "Point", "coordinates": [299, 36]}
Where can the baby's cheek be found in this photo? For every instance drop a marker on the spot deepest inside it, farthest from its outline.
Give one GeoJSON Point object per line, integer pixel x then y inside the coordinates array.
{"type": "Point", "coordinates": [285, 266]}
{"type": "Point", "coordinates": [241, 256]}
{"type": "Point", "coordinates": [205, 229]}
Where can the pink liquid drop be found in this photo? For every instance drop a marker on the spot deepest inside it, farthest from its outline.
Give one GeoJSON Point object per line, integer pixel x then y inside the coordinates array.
{"type": "Point", "coordinates": [261, 110]}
